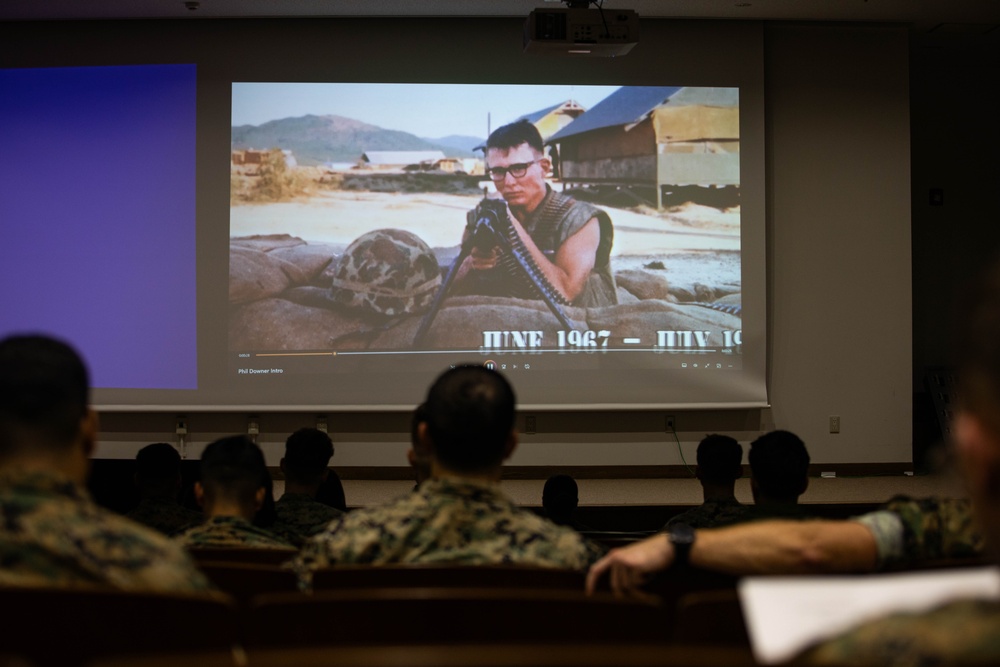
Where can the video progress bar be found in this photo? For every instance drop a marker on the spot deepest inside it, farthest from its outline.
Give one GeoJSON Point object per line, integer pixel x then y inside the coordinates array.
{"type": "Point", "coordinates": [533, 350]}
{"type": "Point", "coordinates": [296, 354]}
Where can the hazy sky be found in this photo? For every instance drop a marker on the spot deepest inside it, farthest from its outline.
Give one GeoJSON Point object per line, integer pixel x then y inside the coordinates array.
{"type": "Point", "coordinates": [426, 110]}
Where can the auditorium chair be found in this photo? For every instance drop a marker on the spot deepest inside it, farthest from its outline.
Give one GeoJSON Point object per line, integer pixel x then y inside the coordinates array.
{"type": "Point", "coordinates": [712, 618]}
{"type": "Point", "coordinates": [244, 581]}
{"type": "Point", "coordinates": [450, 615]}
{"type": "Point", "coordinates": [51, 626]}
{"type": "Point", "coordinates": [446, 576]}
{"type": "Point", "coordinates": [445, 655]}
{"type": "Point", "coordinates": [674, 583]}
{"type": "Point", "coordinates": [613, 539]}
{"type": "Point", "coordinates": [241, 555]}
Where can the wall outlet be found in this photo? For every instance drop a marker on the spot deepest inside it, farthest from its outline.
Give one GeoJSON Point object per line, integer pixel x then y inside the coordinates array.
{"type": "Point", "coordinates": [835, 424]}
{"type": "Point", "coordinates": [321, 424]}
{"type": "Point", "coordinates": [253, 428]}
{"type": "Point", "coordinates": [669, 425]}
{"type": "Point", "coordinates": [530, 425]}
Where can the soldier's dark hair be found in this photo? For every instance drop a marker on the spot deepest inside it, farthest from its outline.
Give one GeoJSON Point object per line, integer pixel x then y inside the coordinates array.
{"type": "Point", "coordinates": [44, 393]}
{"type": "Point", "coordinates": [560, 497]}
{"type": "Point", "coordinates": [233, 468]}
{"type": "Point", "coordinates": [720, 458]}
{"type": "Point", "coordinates": [157, 468]}
{"type": "Point", "coordinates": [158, 461]}
{"type": "Point", "coordinates": [307, 454]}
{"type": "Point", "coordinates": [779, 464]}
{"type": "Point", "coordinates": [470, 416]}
{"type": "Point", "coordinates": [515, 134]}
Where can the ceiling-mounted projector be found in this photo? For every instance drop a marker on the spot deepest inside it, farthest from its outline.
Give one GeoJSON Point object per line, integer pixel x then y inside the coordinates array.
{"type": "Point", "coordinates": [585, 32]}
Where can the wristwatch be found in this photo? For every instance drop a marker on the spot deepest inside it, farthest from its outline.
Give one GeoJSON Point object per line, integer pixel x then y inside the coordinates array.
{"type": "Point", "coordinates": [681, 536]}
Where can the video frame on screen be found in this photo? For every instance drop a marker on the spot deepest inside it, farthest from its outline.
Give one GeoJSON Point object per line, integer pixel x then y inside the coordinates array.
{"type": "Point", "coordinates": [350, 204]}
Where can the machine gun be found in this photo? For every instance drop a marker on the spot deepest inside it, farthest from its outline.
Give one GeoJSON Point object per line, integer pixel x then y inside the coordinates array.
{"type": "Point", "coordinates": [491, 228]}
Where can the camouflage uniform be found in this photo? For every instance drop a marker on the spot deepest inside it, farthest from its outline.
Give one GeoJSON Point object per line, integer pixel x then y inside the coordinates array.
{"type": "Point", "coordinates": [907, 531]}
{"type": "Point", "coordinates": [447, 521]}
{"type": "Point", "coordinates": [713, 514]}
{"type": "Point", "coordinates": [165, 515]}
{"type": "Point", "coordinates": [54, 534]}
{"type": "Point", "coordinates": [230, 532]}
{"type": "Point", "coordinates": [966, 631]}
{"type": "Point", "coordinates": [912, 530]}
{"type": "Point", "coordinates": [300, 516]}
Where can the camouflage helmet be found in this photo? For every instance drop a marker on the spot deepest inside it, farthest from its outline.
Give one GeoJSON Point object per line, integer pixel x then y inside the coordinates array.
{"type": "Point", "coordinates": [387, 272]}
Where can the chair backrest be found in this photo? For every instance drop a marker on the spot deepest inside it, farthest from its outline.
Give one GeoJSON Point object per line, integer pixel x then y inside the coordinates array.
{"type": "Point", "coordinates": [241, 555]}
{"type": "Point", "coordinates": [449, 615]}
{"type": "Point", "coordinates": [711, 617]}
{"type": "Point", "coordinates": [70, 626]}
{"type": "Point", "coordinates": [446, 576]}
{"type": "Point", "coordinates": [674, 583]}
{"type": "Point", "coordinates": [612, 539]}
{"type": "Point", "coordinates": [244, 581]}
{"type": "Point", "coordinates": [466, 655]}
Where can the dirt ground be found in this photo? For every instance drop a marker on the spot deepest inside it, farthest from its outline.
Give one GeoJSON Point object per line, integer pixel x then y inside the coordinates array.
{"type": "Point", "coordinates": [695, 244]}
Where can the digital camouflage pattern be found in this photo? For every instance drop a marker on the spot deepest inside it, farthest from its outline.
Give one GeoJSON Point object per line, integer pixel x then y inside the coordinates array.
{"type": "Point", "coordinates": [301, 516]}
{"type": "Point", "coordinates": [447, 521]}
{"type": "Point", "coordinates": [230, 532]}
{"type": "Point", "coordinates": [713, 514]}
{"type": "Point", "coordinates": [54, 534]}
{"type": "Point", "coordinates": [935, 528]}
{"type": "Point", "coordinates": [960, 632]}
{"type": "Point", "coordinates": [909, 531]}
{"type": "Point", "coordinates": [165, 515]}
{"type": "Point", "coordinates": [387, 272]}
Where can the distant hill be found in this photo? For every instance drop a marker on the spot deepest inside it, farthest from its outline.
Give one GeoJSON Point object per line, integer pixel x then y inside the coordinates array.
{"type": "Point", "coordinates": [458, 141]}
{"type": "Point", "coordinates": [318, 139]}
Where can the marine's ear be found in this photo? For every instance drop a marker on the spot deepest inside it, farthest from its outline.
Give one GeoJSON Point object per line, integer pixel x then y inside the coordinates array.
{"type": "Point", "coordinates": [978, 452]}
{"type": "Point", "coordinates": [89, 428]}
{"type": "Point", "coordinates": [423, 444]}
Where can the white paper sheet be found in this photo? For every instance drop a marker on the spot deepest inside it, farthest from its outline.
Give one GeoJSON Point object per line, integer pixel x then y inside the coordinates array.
{"type": "Point", "coordinates": [784, 615]}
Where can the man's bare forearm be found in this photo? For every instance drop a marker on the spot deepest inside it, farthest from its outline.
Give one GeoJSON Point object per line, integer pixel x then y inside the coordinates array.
{"type": "Point", "coordinates": [791, 547]}
{"type": "Point", "coordinates": [768, 547]}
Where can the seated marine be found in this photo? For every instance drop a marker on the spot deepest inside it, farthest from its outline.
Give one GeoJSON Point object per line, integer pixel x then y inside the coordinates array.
{"type": "Point", "coordinates": [158, 479]}
{"type": "Point", "coordinates": [52, 533]}
{"type": "Point", "coordinates": [459, 515]}
{"type": "Point", "coordinates": [231, 490]}
{"type": "Point", "coordinates": [299, 514]}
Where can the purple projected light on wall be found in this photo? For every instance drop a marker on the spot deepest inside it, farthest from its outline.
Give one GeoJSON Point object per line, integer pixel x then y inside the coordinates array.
{"type": "Point", "coordinates": [97, 217]}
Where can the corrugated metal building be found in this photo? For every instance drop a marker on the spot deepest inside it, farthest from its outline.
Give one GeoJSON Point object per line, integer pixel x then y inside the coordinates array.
{"type": "Point", "coordinates": [649, 137]}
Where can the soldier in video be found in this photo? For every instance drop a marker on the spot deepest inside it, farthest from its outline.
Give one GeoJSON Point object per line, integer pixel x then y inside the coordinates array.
{"type": "Point", "coordinates": [569, 241]}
